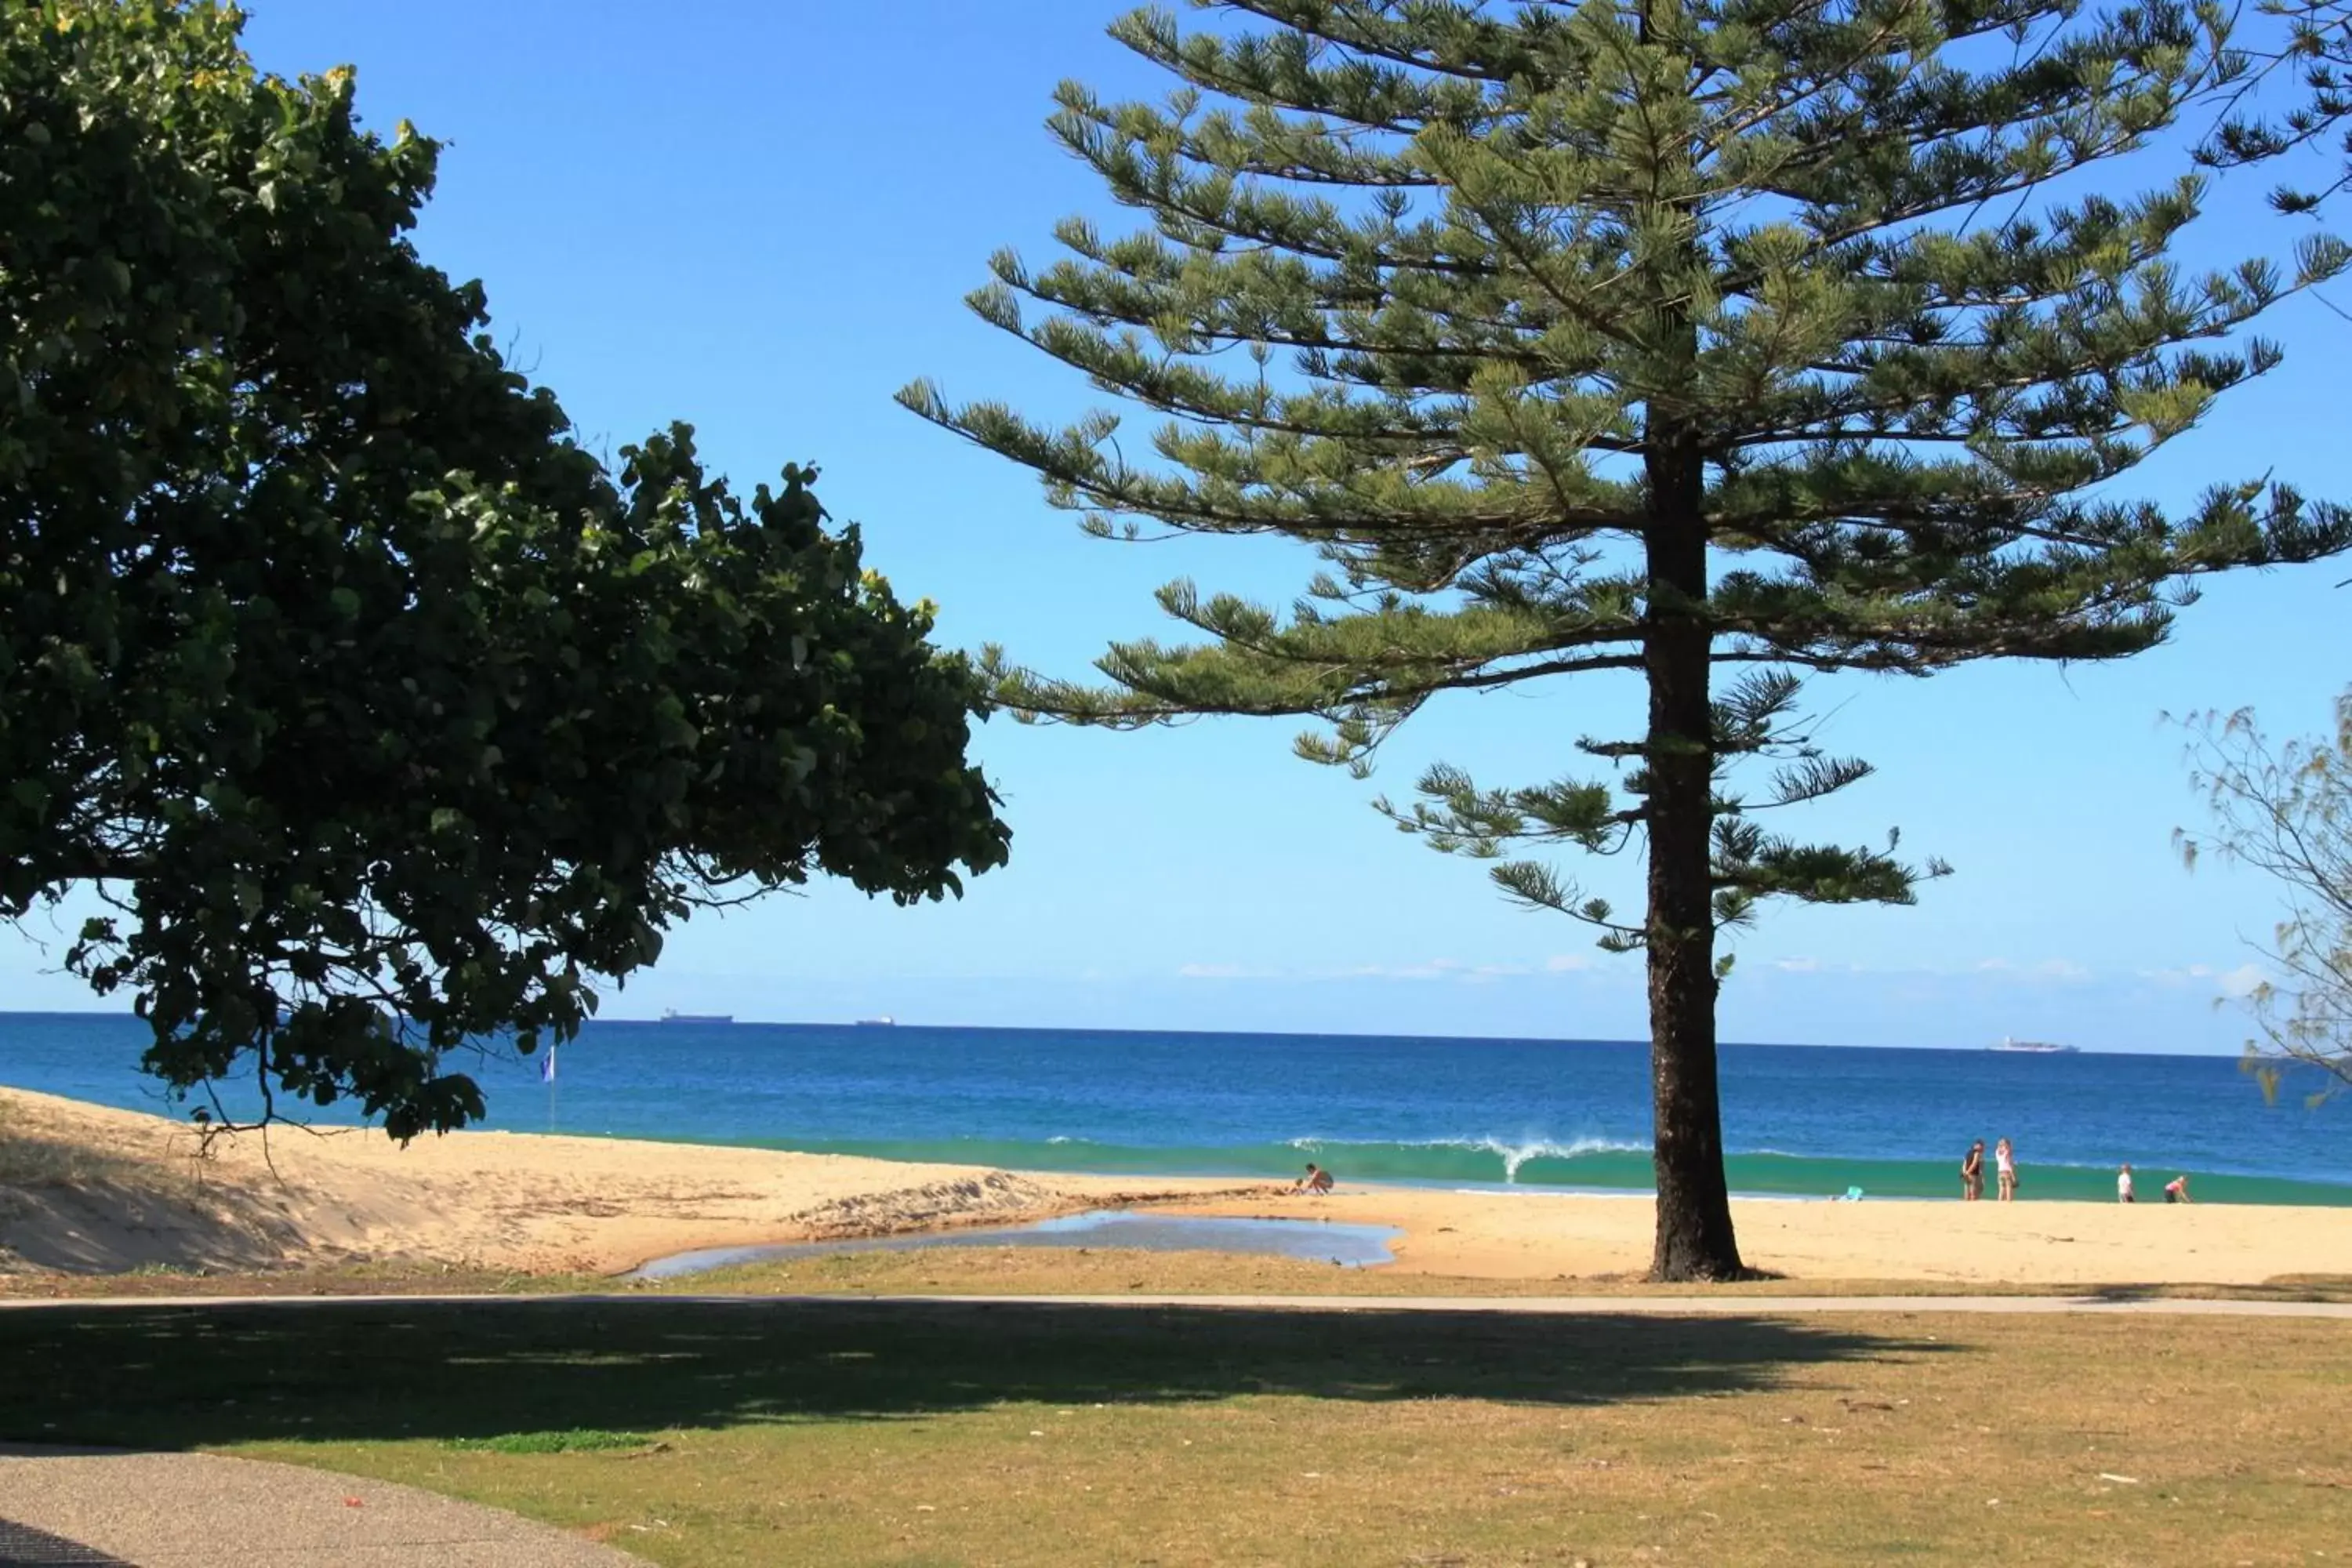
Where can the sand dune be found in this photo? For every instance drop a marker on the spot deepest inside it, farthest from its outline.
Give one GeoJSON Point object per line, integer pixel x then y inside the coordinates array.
{"type": "Point", "coordinates": [87, 1188]}
{"type": "Point", "coordinates": [90, 1189]}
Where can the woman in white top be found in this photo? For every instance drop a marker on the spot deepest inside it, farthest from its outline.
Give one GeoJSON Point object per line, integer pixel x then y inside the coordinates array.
{"type": "Point", "coordinates": [2124, 1186]}
{"type": "Point", "coordinates": [2004, 1164]}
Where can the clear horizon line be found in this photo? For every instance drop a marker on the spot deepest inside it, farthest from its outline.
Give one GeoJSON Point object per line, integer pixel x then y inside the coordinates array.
{"type": "Point", "coordinates": [737, 1021]}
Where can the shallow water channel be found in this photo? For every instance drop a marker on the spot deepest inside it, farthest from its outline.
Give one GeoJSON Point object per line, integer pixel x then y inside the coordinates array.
{"type": "Point", "coordinates": [1316, 1241]}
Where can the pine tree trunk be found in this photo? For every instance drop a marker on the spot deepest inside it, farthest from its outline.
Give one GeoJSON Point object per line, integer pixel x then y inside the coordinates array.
{"type": "Point", "coordinates": [1693, 1231]}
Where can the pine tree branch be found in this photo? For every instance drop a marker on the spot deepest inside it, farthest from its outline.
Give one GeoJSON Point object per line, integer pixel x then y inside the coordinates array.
{"type": "Point", "coordinates": [1327, 21]}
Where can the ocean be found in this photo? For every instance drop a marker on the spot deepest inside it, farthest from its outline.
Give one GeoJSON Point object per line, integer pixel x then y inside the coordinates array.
{"type": "Point", "coordinates": [1536, 1115]}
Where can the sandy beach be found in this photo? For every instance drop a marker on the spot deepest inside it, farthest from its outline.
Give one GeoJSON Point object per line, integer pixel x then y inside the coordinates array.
{"type": "Point", "coordinates": [1541, 1235]}
{"type": "Point", "coordinates": [87, 1188]}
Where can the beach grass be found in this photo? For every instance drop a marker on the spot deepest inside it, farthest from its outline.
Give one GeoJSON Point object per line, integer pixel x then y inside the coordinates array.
{"type": "Point", "coordinates": [850, 1431]}
{"type": "Point", "coordinates": [390, 1277]}
{"type": "Point", "coordinates": [33, 1156]}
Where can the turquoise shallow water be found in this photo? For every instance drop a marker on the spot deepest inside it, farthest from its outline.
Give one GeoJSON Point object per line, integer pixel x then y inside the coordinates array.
{"type": "Point", "coordinates": [1556, 1115]}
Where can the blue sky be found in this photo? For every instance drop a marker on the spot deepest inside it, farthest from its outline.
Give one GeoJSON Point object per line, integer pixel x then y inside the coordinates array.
{"type": "Point", "coordinates": [761, 218]}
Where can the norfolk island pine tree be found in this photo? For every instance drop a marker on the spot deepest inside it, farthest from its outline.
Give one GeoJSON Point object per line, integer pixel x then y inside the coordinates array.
{"type": "Point", "coordinates": [1650, 338]}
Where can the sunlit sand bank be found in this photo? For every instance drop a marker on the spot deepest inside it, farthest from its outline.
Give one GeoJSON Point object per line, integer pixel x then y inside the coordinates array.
{"type": "Point", "coordinates": [86, 1187]}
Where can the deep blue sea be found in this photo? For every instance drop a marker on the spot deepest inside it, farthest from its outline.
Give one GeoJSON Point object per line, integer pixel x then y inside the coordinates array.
{"type": "Point", "coordinates": [1799, 1121]}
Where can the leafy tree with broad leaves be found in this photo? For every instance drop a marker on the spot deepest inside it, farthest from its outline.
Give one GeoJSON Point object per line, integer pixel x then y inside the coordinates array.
{"type": "Point", "coordinates": [2286, 811]}
{"type": "Point", "coordinates": [1655, 338]}
{"type": "Point", "coordinates": [383, 715]}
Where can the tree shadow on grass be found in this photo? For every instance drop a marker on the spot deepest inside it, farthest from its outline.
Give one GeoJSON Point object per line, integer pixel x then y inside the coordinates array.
{"type": "Point", "coordinates": [2291, 1287]}
{"type": "Point", "coordinates": [183, 1377]}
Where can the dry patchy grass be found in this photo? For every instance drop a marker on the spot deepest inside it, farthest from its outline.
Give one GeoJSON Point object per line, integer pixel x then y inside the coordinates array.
{"type": "Point", "coordinates": [1105, 1271]}
{"type": "Point", "coordinates": [1044, 1271]}
{"type": "Point", "coordinates": [854, 1432]}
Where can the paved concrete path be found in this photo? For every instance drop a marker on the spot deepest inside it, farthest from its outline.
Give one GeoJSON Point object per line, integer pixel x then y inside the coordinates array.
{"type": "Point", "coordinates": [1736, 1306]}
{"type": "Point", "coordinates": [203, 1511]}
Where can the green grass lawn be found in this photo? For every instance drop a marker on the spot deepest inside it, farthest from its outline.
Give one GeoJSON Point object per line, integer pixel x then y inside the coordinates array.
{"type": "Point", "coordinates": [847, 1431]}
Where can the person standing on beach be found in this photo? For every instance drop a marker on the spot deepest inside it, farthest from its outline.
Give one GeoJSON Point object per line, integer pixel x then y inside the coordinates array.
{"type": "Point", "coordinates": [2004, 1161]}
{"type": "Point", "coordinates": [2123, 1186]}
{"type": "Point", "coordinates": [1972, 1172]}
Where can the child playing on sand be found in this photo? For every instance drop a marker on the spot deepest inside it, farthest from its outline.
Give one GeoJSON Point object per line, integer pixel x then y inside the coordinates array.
{"type": "Point", "coordinates": [1315, 1179]}
{"type": "Point", "coordinates": [2175, 1191]}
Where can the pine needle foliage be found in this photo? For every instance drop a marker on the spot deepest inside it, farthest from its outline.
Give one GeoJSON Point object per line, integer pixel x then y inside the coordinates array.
{"type": "Point", "coordinates": [2311, 50]}
{"type": "Point", "coordinates": [1646, 336]}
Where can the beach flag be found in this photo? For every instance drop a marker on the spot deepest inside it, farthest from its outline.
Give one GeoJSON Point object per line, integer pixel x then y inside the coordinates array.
{"type": "Point", "coordinates": [547, 1066]}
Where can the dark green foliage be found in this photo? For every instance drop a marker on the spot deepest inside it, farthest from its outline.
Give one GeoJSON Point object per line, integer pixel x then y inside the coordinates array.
{"type": "Point", "coordinates": [1644, 337]}
{"type": "Point", "coordinates": [384, 715]}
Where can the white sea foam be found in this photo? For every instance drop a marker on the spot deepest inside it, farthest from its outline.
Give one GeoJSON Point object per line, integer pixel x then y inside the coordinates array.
{"type": "Point", "coordinates": [1514, 1153]}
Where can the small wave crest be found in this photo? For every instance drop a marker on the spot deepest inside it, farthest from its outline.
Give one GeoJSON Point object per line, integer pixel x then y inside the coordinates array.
{"type": "Point", "coordinates": [1536, 1163]}
{"type": "Point", "coordinates": [1514, 1153]}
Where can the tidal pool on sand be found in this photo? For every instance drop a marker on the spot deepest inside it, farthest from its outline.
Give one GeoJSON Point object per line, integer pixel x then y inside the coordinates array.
{"type": "Point", "coordinates": [1318, 1241]}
